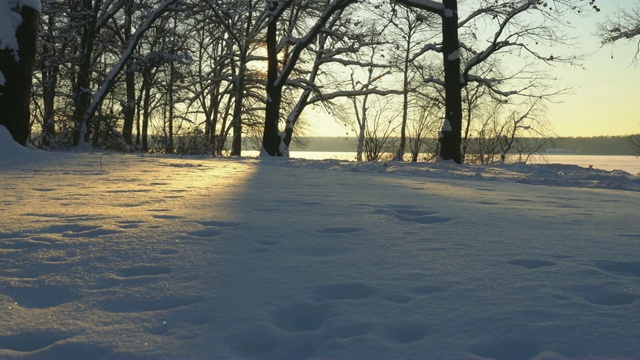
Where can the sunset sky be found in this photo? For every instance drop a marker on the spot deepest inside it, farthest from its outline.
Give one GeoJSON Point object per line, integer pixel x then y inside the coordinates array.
{"type": "Point", "coordinates": [605, 99]}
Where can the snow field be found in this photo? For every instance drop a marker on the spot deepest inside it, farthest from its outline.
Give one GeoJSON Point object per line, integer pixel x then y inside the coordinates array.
{"type": "Point", "coordinates": [165, 258]}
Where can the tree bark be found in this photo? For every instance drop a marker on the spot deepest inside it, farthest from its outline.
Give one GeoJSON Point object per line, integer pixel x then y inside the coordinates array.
{"type": "Point", "coordinates": [15, 95]}
{"type": "Point", "coordinates": [271, 136]}
{"type": "Point", "coordinates": [82, 89]}
{"type": "Point", "coordinates": [450, 136]}
{"type": "Point", "coordinates": [129, 107]}
{"type": "Point", "coordinates": [50, 69]}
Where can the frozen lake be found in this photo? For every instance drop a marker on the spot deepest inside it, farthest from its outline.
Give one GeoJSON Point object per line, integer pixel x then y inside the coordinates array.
{"type": "Point", "coordinates": [630, 164]}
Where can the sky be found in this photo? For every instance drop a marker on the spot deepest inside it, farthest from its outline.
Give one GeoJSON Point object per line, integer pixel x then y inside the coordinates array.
{"type": "Point", "coordinates": [603, 100]}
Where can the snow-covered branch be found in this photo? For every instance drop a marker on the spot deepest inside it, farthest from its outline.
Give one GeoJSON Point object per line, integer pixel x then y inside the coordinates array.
{"type": "Point", "coordinates": [428, 5]}
{"type": "Point", "coordinates": [625, 27]}
{"type": "Point", "coordinates": [109, 81]}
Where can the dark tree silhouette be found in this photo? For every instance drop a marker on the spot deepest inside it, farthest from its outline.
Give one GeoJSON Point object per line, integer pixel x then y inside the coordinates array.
{"type": "Point", "coordinates": [17, 68]}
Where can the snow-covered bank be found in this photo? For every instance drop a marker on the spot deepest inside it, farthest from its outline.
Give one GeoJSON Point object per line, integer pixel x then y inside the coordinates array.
{"type": "Point", "coordinates": [159, 257]}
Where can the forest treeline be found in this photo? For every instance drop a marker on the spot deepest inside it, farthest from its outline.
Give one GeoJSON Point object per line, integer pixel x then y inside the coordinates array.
{"type": "Point", "coordinates": [597, 145]}
{"type": "Point", "coordinates": [186, 76]}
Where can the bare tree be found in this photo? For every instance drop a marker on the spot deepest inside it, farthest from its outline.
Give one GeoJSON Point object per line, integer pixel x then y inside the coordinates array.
{"type": "Point", "coordinates": [425, 122]}
{"type": "Point", "coordinates": [510, 33]}
{"type": "Point", "coordinates": [408, 30]}
{"type": "Point", "coordinates": [109, 81]}
{"type": "Point", "coordinates": [289, 49]}
{"type": "Point", "coordinates": [506, 130]}
{"type": "Point", "coordinates": [381, 126]}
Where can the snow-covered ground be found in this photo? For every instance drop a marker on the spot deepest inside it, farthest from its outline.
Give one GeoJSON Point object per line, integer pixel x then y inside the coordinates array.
{"type": "Point", "coordinates": [146, 257]}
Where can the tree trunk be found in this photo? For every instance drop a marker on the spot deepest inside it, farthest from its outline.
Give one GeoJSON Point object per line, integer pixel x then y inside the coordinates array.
{"type": "Point", "coordinates": [50, 69]}
{"type": "Point", "coordinates": [146, 111]}
{"type": "Point", "coordinates": [169, 146]}
{"type": "Point", "coordinates": [82, 88]}
{"type": "Point", "coordinates": [405, 105]}
{"type": "Point", "coordinates": [15, 93]}
{"type": "Point", "coordinates": [271, 136]}
{"type": "Point", "coordinates": [450, 136]}
{"type": "Point", "coordinates": [236, 123]}
{"type": "Point", "coordinates": [129, 108]}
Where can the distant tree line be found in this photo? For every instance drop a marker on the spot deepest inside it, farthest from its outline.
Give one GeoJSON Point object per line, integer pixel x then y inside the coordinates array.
{"type": "Point", "coordinates": [186, 76]}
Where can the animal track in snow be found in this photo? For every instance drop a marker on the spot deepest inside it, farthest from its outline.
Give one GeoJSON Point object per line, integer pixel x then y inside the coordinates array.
{"type": "Point", "coordinates": [80, 350]}
{"type": "Point", "coordinates": [143, 270]}
{"type": "Point", "coordinates": [613, 298]}
{"type": "Point", "coordinates": [254, 342]}
{"type": "Point", "coordinates": [72, 231]}
{"type": "Point", "coordinates": [212, 228]}
{"type": "Point", "coordinates": [129, 224]}
{"type": "Point", "coordinates": [339, 230]}
{"type": "Point", "coordinates": [506, 349]}
{"type": "Point", "coordinates": [427, 289]}
{"type": "Point", "coordinates": [168, 217]}
{"type": "Point", "coordinates": [30, 341]}
{"type": "Point", "coordinates": [412, 214]}
{"type": "Point", "coordinates": [622, 268]}
{"type": "Point", "coordinates": [24, 244]}
{"type": "Point", "coordinates": [222, 224]}
{"type": "Point", "coordinates": [301, 317]}
{"type": "Point", "coordinates": [346, 330]}
{"type": "Point", "coordinates": [205, 233]}
{"type": "Point", "coordinates": [41, 296]}
{"type": "Point", "coordinates": [346, 291]}
{"type": "Point", "coordinates": [135, 304]}
{"type": "Point", "coordinates": [407, 332]}
{"type": "Point", "coordinates": [530, 264]}
{"type": "Point", "coordinates": [605, 296]}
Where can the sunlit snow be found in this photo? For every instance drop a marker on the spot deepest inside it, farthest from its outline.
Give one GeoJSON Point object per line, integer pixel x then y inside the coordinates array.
{"type": "Point", "coordinates": [111, 256]}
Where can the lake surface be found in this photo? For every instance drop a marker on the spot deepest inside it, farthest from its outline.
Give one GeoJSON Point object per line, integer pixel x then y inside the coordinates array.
{"type": "Point", "coordinates": [630, 164]}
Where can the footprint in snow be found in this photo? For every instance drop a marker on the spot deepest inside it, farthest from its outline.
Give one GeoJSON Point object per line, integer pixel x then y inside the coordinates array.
{"type": "Point", "coordinates": [508, 349]}
{"type": "Point", "coordinates": [30, 341]}
{"type": "Point", "coordinates": [427, 289]}
{"type": "Point", "coordinates": [79, 349]}
{"type": "Point", "coordinates": [339, 230]}
{"type": "Point", "coordinates": [135, 304]}
{"type": "Point", "coordinates": [613, 298]}
{"type": "Point", "coordinates": [412, 214]}
{"type": "Point", "coordinates": [222, 224]}
{"type": "Point", "coordinates": [405, 333]}
{"type": "Point", "coordinates": [621, 268]}
{"type": "Point", "coordinates": [143, 270]}
{"type": "Point", "coordinates": [254, 342]}
{"type": "Point", "coordinates": [530, 264]}
{"type": "Point", "coordinates": [205, 233]}
{"type": "Point", "coordinates": [345, 291]}
{"type": "Point", "coordinates": [605, 296]}
{"type": "Point", "coordinates": [41, 296]}
{"type": "Point", "coordinates": [212, 228]}
{"type": "Point", "coordinates": [302, 317]}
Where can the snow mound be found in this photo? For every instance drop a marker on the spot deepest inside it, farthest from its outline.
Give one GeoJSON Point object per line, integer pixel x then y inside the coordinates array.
{"type": "Point", "coordinates": [8, 147]}
{"type": "Point", "coordinates": [13, 153]}
{"type": "Point", "coordinates": [533, 174]}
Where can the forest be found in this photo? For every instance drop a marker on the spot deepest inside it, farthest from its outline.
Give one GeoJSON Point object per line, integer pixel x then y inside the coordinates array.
{"type": "Point", "coordinates": [183, 76]}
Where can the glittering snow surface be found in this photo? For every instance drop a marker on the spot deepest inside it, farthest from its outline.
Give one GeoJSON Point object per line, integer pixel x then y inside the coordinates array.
{"type": "Point", "coordinates": [154, 257]}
